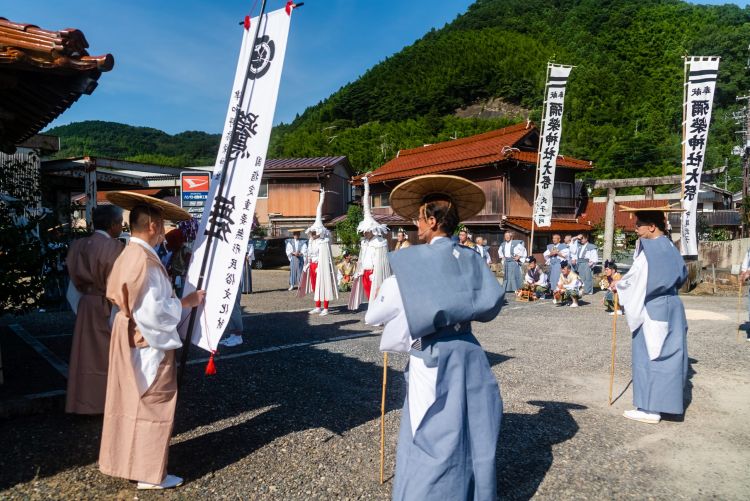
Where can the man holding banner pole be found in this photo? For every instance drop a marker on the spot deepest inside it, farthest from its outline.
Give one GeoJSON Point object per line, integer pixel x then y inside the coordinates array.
{"type": "Point", "coordinates": [141, 383]}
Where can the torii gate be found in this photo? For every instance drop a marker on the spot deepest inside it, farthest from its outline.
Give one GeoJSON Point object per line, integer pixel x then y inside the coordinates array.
{"type": "Point", "coordinates": [611, 185]}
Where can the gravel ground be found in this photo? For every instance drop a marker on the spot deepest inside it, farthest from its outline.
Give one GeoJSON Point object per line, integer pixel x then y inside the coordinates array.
{"type": "Point", "coordinates": [302, 422]}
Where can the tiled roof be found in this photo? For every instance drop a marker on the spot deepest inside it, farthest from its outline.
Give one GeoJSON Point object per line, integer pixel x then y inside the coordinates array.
{"type": "Point", "coordinates": [595, 212]}
{"type": "Point", "coordinates": [49, 71]}
{"type": "Point", "coordinates": [305, 164]}
{"type": "Point", "coordinates": [469, 152]}
{"type": "Point", "coordinates": [391, 220]}
{"type": "Point", "coordinates": [563, 225]}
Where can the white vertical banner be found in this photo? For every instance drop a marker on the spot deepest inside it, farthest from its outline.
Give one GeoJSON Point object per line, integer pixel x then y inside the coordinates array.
{"type": "Point", "coordinates": [699, 90]}
{"type": "Point", "coordinates": [549, 142]}
{"type": "Point", "coordinates": [228, 216]}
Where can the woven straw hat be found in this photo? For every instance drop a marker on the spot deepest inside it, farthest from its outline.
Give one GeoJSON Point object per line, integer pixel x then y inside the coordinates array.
{"type": "Point", "coordinates": [408, 197]}
{"type": "Point", "coordinates": [129, 200]}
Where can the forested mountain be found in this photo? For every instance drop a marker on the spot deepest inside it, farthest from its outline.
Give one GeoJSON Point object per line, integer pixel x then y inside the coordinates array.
{"type": "Point", "coordinates": [140, 144]}
{"type": "Point", "coordinates": [624, 97]}
{"type": "Point", "coordinates": [623, 107]}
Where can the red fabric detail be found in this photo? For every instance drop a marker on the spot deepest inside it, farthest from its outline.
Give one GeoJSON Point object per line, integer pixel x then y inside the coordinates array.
{"type": "Point", "coordinates": [313, 275]}
{"type": "Point", "coordinates": [210, 366]}
{"type": "Point", "coordinates": [247, 22]}
{"type": "Point", "coordinates": [367, 282]}
{"type": "Point", "coordinates": [324, 304]}
{"type": "Point", "coordinates": [288, 8]}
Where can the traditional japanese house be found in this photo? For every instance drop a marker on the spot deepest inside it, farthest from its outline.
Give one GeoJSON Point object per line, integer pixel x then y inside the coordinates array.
{"type": "Point", "coordinates": [289, 191]}
{"type": "Point", "coordinates": [42, 73]}
{"type": "Point", "coordinates": [503, 163]}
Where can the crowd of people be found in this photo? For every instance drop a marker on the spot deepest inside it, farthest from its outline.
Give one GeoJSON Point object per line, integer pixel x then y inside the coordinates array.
{"type": "Point", "coordinates": [425, 296]}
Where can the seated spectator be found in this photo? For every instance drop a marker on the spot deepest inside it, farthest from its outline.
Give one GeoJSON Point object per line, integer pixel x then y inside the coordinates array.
{"type": "Point", "coordinates": [535, 280]}
{"type": "Point", "coordinates": [344, 272]}
{"type": "Point", "coordinates": [569, 286]}
{"type": "Point", "coordinates": [607, 283]}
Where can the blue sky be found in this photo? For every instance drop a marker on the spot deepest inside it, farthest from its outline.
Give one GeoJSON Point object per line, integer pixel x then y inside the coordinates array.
{"type": "Point", "coordinates": [175, 60]}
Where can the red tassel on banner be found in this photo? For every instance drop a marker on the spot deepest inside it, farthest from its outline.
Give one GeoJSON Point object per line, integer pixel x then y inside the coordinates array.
{"type": "Point", "coordinates": [247, 22]}
{"type": "Point", "coordinates": [288, 7]}
{"type": "Point", "coordinates": [210, 366]}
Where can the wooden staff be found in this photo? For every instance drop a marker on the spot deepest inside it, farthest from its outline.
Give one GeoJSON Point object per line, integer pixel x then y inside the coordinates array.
{"type": "Point", "coordinates": [614, 346]}
{"type": "Point", "coordinates": [382, 417]}
{"type": "Point", "coordinates": [739, 307]}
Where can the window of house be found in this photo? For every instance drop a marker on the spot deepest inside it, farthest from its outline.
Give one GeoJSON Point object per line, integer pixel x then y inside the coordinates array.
{"type": "Point", "coordinates": [263, 191]}
{"type": "Point", "coordinates": [700, 205]}
{"type": "Point", "coordinates": [380, 200]}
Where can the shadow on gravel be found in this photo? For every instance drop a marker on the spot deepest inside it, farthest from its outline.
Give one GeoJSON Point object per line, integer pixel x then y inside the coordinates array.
{"type": "Point", "coordinates": [248, 404]}
{"type": "Point", "coordinates": [525, 446]}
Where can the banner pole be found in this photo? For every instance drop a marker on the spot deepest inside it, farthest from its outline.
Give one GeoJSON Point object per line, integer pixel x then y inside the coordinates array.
{"type": "Point", "coordinates": [538, 162]}
{"type": "Point", "coordinates": [219, 192]}
{"type": "Point", "coordinates": [614, 348]}
{"type": "Point", "coordinates": [382, 417]}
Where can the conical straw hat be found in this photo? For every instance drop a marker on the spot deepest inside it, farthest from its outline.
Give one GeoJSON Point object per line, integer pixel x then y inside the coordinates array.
{"type": "Point", "coordinates": [129, 200]}
{"type": "Point", "coordinates": [466, 196]}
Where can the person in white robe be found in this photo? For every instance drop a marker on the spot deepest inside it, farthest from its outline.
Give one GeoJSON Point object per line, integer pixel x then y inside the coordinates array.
{"type": "Point", "coordinates": [372, 265]}
{"type": "Point", "coordinates": [319, 271]}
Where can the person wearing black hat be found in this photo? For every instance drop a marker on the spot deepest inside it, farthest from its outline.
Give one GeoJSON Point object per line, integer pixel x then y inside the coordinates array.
{"type": "Point", "coordinates": [657, 319]}
{"type": "Point", "coordinates": [569, 286]}
{"type": "Point", "coordinates": [607, 283]}
{"type": "Point", "coordinates": [452, 412]}
{"type": "Point", "coordinates": [535, 279]}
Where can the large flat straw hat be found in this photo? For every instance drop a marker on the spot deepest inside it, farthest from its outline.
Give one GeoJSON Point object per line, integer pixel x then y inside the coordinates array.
{"type": "Point", "coordinates": [408, 197]}
{"type": "Point", "coordinates": [129, 200]}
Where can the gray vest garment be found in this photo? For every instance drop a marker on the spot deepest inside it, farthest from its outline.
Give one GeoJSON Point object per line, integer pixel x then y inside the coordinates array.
{"type": "Point", "coordinates": [560, 246]}
{"type": "Point", "coordinates": [513, 245]}
{"type": "Point", "coordinates": [583, 249]}
{"type": "Point", "coordinates": [444, 284]}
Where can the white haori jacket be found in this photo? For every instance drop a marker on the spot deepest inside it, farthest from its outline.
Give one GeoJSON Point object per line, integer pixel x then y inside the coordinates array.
{"type": "Point", "coordinates": [156, 315]}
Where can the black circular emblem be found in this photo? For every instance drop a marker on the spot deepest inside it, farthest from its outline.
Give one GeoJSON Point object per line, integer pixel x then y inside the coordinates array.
{"type": "Point", "coordinates": [262, 57]}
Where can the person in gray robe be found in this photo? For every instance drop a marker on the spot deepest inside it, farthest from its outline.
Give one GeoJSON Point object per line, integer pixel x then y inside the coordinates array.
{"type": "Point", "coordinates": [555, 254]}
{"type": "Point", "coordinates": [295, 252]}
{"type": "Point", "coordinates": [657, 320]}
{"type": "Point", "coordinates": [512, 253]}
{"type": "Point", "coordinates": [584, 258]}
{"type": "Point", "coordinates": [452, 411]}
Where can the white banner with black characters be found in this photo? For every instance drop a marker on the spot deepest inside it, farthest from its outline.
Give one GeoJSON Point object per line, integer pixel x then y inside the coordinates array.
{"type": "Point", "coordinates": [699, 95]}
{"type": "Point", "coordinates": [549, 142]}
{"type": "Point", "coordinates": [228, 217]}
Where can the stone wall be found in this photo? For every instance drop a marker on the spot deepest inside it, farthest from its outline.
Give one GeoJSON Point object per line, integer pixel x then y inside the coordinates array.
{"type": "Point", "coordinates": [724, 255]}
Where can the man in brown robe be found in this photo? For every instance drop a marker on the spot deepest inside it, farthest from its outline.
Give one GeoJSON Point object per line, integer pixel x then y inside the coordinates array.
{"type": "Point", "coordinates": [89, 263]}
{"type": "Point", "coordinates": [142, 385]}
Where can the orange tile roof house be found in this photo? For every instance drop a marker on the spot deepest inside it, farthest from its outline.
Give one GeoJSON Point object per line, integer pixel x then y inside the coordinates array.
{"type": "Point", "coordinates": [503, 163]}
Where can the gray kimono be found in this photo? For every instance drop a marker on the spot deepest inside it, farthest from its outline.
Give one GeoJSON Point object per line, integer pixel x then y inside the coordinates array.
{"type": "Point", "coordinates": [658, 383]}
{"type": "Point", "coordinates": [554, 265]}
{"type": "Point", "coordinates": [583, 268]}
{"type": "Point", "coordinates": [511, 268]}
{"type": "Point", "coordinates": [444, 287]}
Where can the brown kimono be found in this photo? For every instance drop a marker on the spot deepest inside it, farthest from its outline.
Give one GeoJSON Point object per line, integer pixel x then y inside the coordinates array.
{"type": "Point", "coordinates": [90, 261]}
{"type": "Point", "coordinates": [137, 428]}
